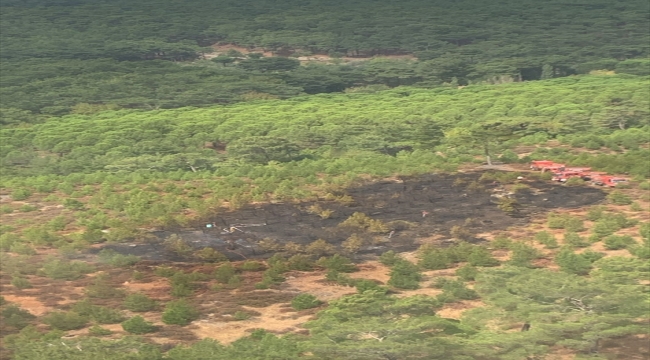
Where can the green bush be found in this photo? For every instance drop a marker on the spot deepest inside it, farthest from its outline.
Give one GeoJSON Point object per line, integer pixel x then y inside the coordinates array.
{"type": "Point", "coordinates": [305, 301]}
{"type": "Point", "coordinates": [338, 263]}
{"type": "Point", "coordinates": [101, 288]}
{"type": "Point", "coordinates": [467, 272]}
{"type": "Point", "coordinates": [165, 271]}
{"type": "Point", "coordinates": [366, 285]}
{"type": "Point", "coordinates": [66, 270]}
{"type": "Point", "coordinates": [573, 239]}
{"type": "Point", "coordinates": [181, 284]}
{"type": "Point", "coordinates": [20, 282]}
{"type": "Point", "coordinates": [405, 275]}
{"type": "Point", "coordinates": [618, 198]}
{"type": "Point", "coordinates": [605, 227]}
{"type": "Point", "coordinates": [97, 330]}
{"type": "Point", "coordinates": [27, 208]}
{"type": "Point", "coordinates": [644, 231]}
{"type": "Point", "coordinates": [138, 325]}
{"type": "Point", "coordinates": [522, 255]}
{"type": "Point", "coordinates": [480, 256]}
{"type": "Point", "coordinates": [179, 312]}
{"type": "Point", "coordinates": [250, 265]}
{"type": "Point", "coordinates": [570, 262]}
{"type": "Point", "coordinates": [575, 181]}
{"type": "Point", "coordinates": [73, 204]}
{"type": "Point", "coordinates": [547, 239]}
{"type": "Point", "coordinates": [434, 259]}
{"type": "Point", "coordinates": [241, 315]}
{"type": "Point", "coordinates": [22, 249]}
{"type": "Point", "coordinates": [20, 194]}
{"type": "Point", "coordinates": [300, 263]}
{"type": "Point", "coordinates": [595, 213]}
{"type": "Point", "coordinates": [224, 272]}
{"type": "Point", "coordinates": [7, 240]}
{"type": "Point", "coordinates": [454, 290]}
{"type": "Point", "coordinates": [12, 315]}
{"type": "Point", "coordinates": [65, 321]}
{"type": "Point", "coordinates": [615, 242]}
{"type": "Point", "coordinates": [111, 257]}
{"type": "Point", "coordinates": [210, 255]}
{"type": "Point", "coordinates": [389, 258]}
{"type": "Point", "coordinates": [501, 242]}
{"type": "Point", "coordinates": [139, 303]}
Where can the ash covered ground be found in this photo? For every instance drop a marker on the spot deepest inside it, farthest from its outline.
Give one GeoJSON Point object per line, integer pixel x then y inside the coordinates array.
{"type": "Point", "coordinates": [447, 201]}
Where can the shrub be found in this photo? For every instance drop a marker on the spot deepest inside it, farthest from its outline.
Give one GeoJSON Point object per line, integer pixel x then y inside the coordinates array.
{"type": "Point", "coordinates": [575, 181]}
{"type": "Point", "coordinates": [352, 244]}
{"type": "Point", "coordinates": [300, 263]}
{"type": "Point", "coordinates": [362, 222]}
{"type": "Point", "coordinates": [22, 249]}
{"type": "Point", "coordinates": [181, 284]}
{"type": "Point", "coordinates": [66, 270]}
{"type": "Point", "coordinates": [20, 194]}
{"type": "Point", "coordinates": [241, 315]}
{"type": "Point", "coordinates": [305, 301]}
{"type": "Point", "coordinates": [389, 258]}
{"type": "Point", "coordinates": [6, 209]}
{"type": "Point", "coordinates": [636, 207]}
{"type": "Point", "coordinates": [12, 315]}
{"type": "Point", "coordinates": [573, 239]}
{"type": "Point", "coordinates": [138, 325]}
{"type": "Point", "coordinates": [460, 233]}
{"type": "Point", "coordinates": [210, 255]}
{"type": "Point", "coordinates": [547, 239]}
{"type": "Point", "coordinates": [467, 272]}
{"type": "Point", "coordinates": [618, 198]}
{"type": "Point", "coordinates": [320, 248]}
{"type": "Point", "coordinates": [97, 330]}
{"type": "Point", "coordinates": [20, 282]}
{"type": "Point", "coordinates": [405, 275]}
{"type": "Point", "coordinates": [572, 263]}
{"type": "Point", "coordinates": [454, 290]}
{"type": "Point", "coordinates": [111, 257]}
{"type": "Point", "coordinates": [73, 204]}
{"type": "Point", "coordinates": [615, 242]}
{"type": "Point", "coordinates": [644, 231]}
{"type": "Point", "coordinates": [177, 246]}
{"type": "Point", "coordinates": [105, 315]}
{"type": "Point", "coordinates": [501, 242]}
{"type": "Point", "coordinates": [179, 312]}
{"type": "Point", "coordinates": [522, 255]}
{"type": "Point", "coordinates": [8, 239]}
{"type": "Point", "coordinates": [251, 266]}
{"type": "Point", "coordinates": [102, 289]}
{"type": "Point", "coordinates": [165, 271]}
{"type": "Point", "coordinates": [338, 263]}
{"type": "Point", "coordinates": [365, 285]}
{"type": "Point", "coordinates": [434, 259]}
{"type": "Point", "coordinates": [139, 303]}
{"type": "Point", "coordinates": [480, 256]}
{"type": "Point", "coordinates": [595, 213]}
{"type": "Point", "coordinates": [224, 272]}
{"type": "Point", "coordinates": [27, 208]}
{"type": "Point", "coordinates": [605, 227]}
{"type": "Point", "coordinates": [65, 321]}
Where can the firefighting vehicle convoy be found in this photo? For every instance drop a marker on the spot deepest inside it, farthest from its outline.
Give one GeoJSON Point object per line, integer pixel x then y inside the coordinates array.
{"type": "Point", "coordinates": [562, 173]}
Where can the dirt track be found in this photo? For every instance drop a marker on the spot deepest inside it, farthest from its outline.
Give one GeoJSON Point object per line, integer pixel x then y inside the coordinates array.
{"type": "Point", "coordinates": [448, 204]}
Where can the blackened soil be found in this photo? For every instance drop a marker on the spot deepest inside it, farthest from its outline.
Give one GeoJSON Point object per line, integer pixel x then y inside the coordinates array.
{"type": "Point", "coordinates": [447, 204]}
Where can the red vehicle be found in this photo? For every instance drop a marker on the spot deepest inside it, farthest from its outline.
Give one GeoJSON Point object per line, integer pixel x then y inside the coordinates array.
{"type": "Point", "coordinates": [566, 175]}
{"type": "Point", "coordinates": [608, 180]}
{"type": "Point", "coordinates": [546, 165]}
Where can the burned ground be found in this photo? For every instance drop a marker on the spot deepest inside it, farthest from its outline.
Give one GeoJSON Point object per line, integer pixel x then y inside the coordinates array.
{"type": "Point", "coordinates": [449, 200]}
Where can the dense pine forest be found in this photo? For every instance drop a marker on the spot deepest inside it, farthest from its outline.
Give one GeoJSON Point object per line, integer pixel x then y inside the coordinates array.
{"type": "Point", "coordinates": [325, 180]}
